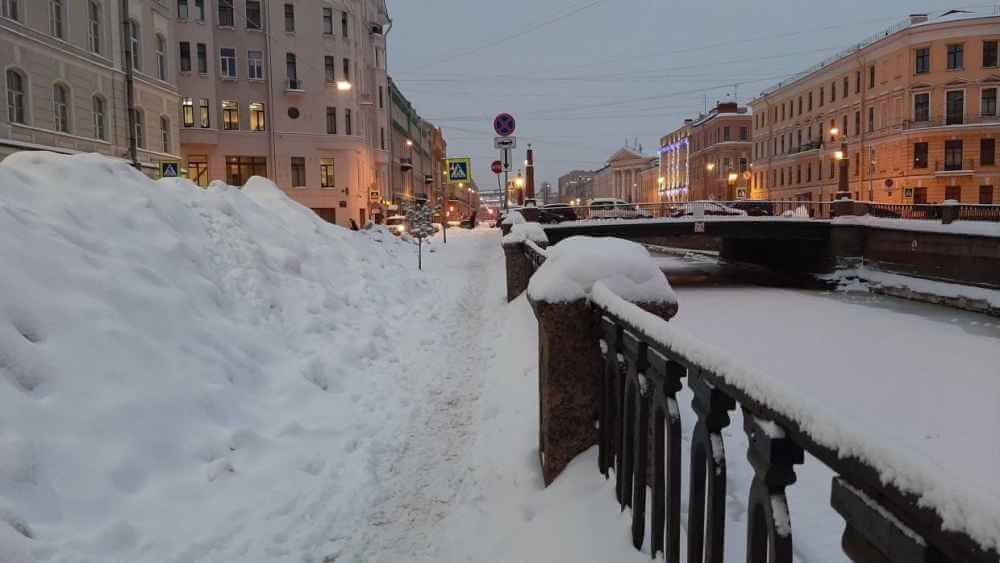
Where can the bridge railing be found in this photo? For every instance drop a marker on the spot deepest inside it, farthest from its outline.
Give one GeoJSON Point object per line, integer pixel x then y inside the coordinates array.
{"type": "Point", "coordinates": [620, 365]}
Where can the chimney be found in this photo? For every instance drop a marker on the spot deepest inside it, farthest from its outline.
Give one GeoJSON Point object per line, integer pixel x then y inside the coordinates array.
{"type": "Point", "coordinates": [917, 18]}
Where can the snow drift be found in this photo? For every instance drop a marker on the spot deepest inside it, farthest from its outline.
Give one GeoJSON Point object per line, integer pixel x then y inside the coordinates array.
{"type": "Point", "coordinates": [179, 364]}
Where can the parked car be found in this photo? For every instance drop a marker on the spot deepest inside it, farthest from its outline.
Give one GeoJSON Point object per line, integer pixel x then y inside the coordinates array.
{"type": "Point", "coordinates": [614, 208]}
{"type": "Point", "coordinates": [396, 224]}
{"type": "Point", "coordinates": [705, 208]}
{"type": "Point", "coordinates": [556, 213]}
{"type": "Point", "coordinates": [754, 208]}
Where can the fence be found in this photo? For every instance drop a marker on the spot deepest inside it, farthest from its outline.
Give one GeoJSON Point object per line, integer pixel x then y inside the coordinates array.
{"type": "Point", "coordinates": [641, 368]}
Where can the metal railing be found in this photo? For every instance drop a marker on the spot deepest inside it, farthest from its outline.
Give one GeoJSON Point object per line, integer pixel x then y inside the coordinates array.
{"type": "Point", "coordinates": [640, 441]}
{"type": "Point", "coordinates": [972, 212]}
{"type": "Point", "coordinates": [905, 211]}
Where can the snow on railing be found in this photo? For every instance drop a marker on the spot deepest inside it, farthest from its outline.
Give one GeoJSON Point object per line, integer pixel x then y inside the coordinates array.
{"type": "Point", "coordinates": [645, 364]}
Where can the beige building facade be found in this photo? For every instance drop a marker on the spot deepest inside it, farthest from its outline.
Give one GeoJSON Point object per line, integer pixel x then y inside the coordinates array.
{"type": "Point", "coordinates": [675, 159]}
{"type": "Point", "coordinates": [65, 84]}
{"type": "Point", "coordinates": [296, 91]}
{"type": "Point", "coordinates": [916, 107]}
{"type": "Point", "coordinates": [720, 153]}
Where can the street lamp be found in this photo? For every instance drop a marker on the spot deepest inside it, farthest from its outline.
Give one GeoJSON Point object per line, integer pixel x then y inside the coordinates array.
{"type": "Point", "coordinates": [709, 167]}
{"type": "Point", "coordinates": [841, 155]}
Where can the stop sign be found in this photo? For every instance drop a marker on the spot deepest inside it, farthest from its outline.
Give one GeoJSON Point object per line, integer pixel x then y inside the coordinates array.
{"type": "Point", "coordinates": [496, 167]}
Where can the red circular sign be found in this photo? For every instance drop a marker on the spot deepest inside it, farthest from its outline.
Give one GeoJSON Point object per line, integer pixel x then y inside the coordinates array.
{"type": "Point", "coordinates": [504, 124]}
{"type": "Point", "coordinates": [496, 167]}
{"type": "Point", "coordinates": [889, 182]}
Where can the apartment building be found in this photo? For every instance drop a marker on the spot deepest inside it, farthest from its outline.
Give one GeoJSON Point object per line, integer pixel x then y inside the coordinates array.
{"type": "Point", "coordinates": [913, 109]}
{"type": "Point", "coordinates": [417, 166]}
{"type": "Point", "coordinates": [65, 81]}
{"type": "Point", "coordinates": [720, 153]}
{"type": "Point", "coordinates": [576, 185]}
{"type": "Point", "coordinates": [675, 157]}
{"type": "Point", "coordinates": [294, 90]}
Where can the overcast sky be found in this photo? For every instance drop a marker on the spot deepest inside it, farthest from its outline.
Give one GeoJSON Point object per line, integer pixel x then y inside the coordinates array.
{"type": "Point", "coordinates": [587, 74]}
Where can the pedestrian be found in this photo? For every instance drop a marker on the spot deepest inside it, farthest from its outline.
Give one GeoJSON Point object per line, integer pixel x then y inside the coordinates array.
{"type": "Point", "coordinates": [354, 225]}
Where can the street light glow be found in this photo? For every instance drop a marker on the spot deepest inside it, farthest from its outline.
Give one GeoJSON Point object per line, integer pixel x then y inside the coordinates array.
{"type": "Point", "coordinates": [839, 155]}
{"type": "Point", "coordinates": [733, 176]}
{"type": "Point", "coordinates": [409, 143]}
{"type": "Point", "coordinates": [710, 166]}
{"type": "Point", "coordinates": [343, 85]}
{"type": "Point", "coordinates": [834, 131]}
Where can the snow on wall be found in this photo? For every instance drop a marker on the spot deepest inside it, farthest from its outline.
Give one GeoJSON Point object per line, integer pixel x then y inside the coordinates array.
{"type": "Point", "coordinates": [522, 232]}
{"type": "Point", "coordinates": [574, 265]}
{"type": "Point", "coordinates": [980, 228]}
{"type": "Point", "coordinates": [964, 505]}
{"type": "Point", "coordinates": [514, 218]}
{"type": "Point", "coordinates": [178, 365]}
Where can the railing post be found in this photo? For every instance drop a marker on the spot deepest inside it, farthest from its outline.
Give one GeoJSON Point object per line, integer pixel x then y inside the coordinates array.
{"type": "Point", "coordinates": [519, 268]}
{"type": "Point", "coordinates": [950, 211]}
{"type": "Point", "coordinates": [707, 488]}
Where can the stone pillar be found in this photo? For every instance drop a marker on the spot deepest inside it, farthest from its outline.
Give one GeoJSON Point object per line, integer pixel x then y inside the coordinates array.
{"type": "Point", "coordinates": [570, 366]}
{"type": "Point", "coordinates": [518, 269]}
{"type": "Point", "coordinates": [950, 211]}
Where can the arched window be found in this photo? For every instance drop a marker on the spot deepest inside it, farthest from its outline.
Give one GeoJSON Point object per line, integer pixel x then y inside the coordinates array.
{"type": "Point", "coordinates": [60, 107]}
{"type": "Point", "coordinates": [165, 133]}
{"type": "Point", "coordinates": [161, 57]}
{"type": "Point", "coordinates": [100, 119]}
{"type": "Point", "coordinates": [94, 26]}
{"type": "Point", "coordinates": [16, 87]}
{"type": "Point", "coordinates": [135, 44]}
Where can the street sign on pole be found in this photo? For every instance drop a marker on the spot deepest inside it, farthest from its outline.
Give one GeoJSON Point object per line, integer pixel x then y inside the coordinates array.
{"type": "Point", "coordinates": [506, 159]}
{"type": "Point", "coordinates": [459, 170]}
{"type": "Point", "coordinates": [504, 124]}
{"type": "Point", "coordinates": [505, 143]}
{"type": "Point", "coordinates": [496, 167]}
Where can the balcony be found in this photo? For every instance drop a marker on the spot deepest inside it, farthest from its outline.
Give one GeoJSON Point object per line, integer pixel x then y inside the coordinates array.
{"type": "Point", "coordinates": [955, 167]}
{"type": "Point", "coordinates": [950, 121]}
{"type": "Point", "coordinates": [294, 85]}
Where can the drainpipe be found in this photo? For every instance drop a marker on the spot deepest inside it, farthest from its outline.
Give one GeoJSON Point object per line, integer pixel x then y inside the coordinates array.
{"type": "Point", "coordinates": [269, 125]}
{"type": "Point", "coordinates": [133, 146]}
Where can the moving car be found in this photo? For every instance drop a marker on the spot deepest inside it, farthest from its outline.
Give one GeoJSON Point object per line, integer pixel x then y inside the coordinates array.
{"type": "Point", "coordinates": [614, 208]}
{"type": "Point", "coordinates": [396, 224]}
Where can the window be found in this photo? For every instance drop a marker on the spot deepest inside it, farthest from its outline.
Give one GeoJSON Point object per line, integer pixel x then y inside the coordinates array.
{"type": "Point", "coordinates": [987, 152]}
{"type": "Point", "coordinates": [347, 70]}
{"type": "Point", "coordinates": [922, 107]}
{"type": "Point", "coordinates": [871, 76]}
{"type": "Point", "coordinates": [986, 195]}
{"type": "Point", "coordinates": [15, 97]}
{"type": "Point", "coordinates": [135, 44]}
{"type": "Point", "coordinates": [800, 105]}
{"type": "Point", "coordinates": [165, 134]}
{"type": "Point", "coordinates": [845, 88]}
{"type": "Point", "coordinates": [331, 120]}
{"type": "Point", "coordinates": [821, 96]}
{"type": "Point", "coordinates": [382, 137]}
{"type": "Point", "coordinates": [100, 119]}
{"type": "Point", "coordinates": [9, 9]}
{"type": "Point", "coordinates": [953, 193]}
{"type": "Point", "coordinates": [227, 17]}
{"type": "Point", "coordinates": [809, 101]}
{"type": "Point", "coordinates": [227, 57]}
{"type": "Point", "coordinates": [330, 66]}
{"type": "Point", "coordinates": [954, 107]}
{"type": "Point", "coordinates": [139, 124]}
{"type": "Point", "coordinates": [347, 122]}
{"type": "Point", "coordinates": [744, 133]}
{"type": "Point", "coordinates": [57, 18]}
{"type": "Point", "coordinates": [298, 171]}
{"type": "Point", "coordinates": [199, 10]}
{"type": "Point", "coordinates": [289, 18]}
{"type": "Point", "coordinates": [230, 115]}
{"type": "Point", "coordinates": [94, 26]}
{"type": "Point", "coordinates": [327, 178]}
{"type": "Point", "coordinates": [833, 92]}
{"type": "Point", "coordinates": [343, 24]}
{"type": "Point", "coordinates": [202, 59]}
{"type": "Point", "coordinates": [327, 20]}
{"type": "Point", "coordinates": [953, 155]}
{"type": "Point", "coordinates": [988, 101]}
{"type": "Point", "coordinates": [871, 119]}
{"type": "Point", "coordinates": [161, 57]}
{"type": "Point", "coordinates": [187, 112]}
{"type": "Point", "coordinates": [381, 98]}
{"type": "Point", "coordinates": [197, 167]}
{"type": "Point", "coordinates": [255, 65]}
{"type": "Point", "coordinates": [254, 20]}
{"type": "Point", "coordinates": [185, 57]}
{"type": "Point", "coordinates": [725, 133]}
{"type": "Point", "coordinates": [60, 107]}
{"type": "Point", "coordinates": [239, 169]}
{"type": "Point", "coordinates": [990, 54]}
{"type": "Point", "coordinates": [291, 69]}
{"type": "Point", "coordinates": [256, 116]}
{"type": "Point", "coordinates": [923, 60]}
{"type": "Point", "coordinates": [204, 113]}
{"type": "Point", "coordinates": [956, 55]}
{"type": "Point", "coordinates": [857, 82]}
{"type": "Point", "coordinates": [857, 123]}
{"type": "Point", "coordinates": [183, 9]}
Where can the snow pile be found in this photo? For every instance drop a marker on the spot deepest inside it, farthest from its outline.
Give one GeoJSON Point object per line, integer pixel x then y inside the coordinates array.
{"type": "Point", "coordinates": [800, 211]}
{"type": "Point", "coordinates": [574, 265]}
{"type": "Point", "coordinates": [514, 218]}
{"type": "Point", "coordinates": [521, 232]}
{"type": "Point", "coordinates": [861, 279]}
{"type": "Point", "coordinates": [187, 374]}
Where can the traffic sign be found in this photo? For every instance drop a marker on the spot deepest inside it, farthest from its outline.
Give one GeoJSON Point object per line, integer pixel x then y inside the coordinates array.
{"type": "Point", "coordinates": [505, 142]}
{"type": "Point", "coordinates": [504, 124]}
{"type": "Point", "coordinates": [170, 169]}
{"type": "Point", "coordinates": [459, 170]}
{"type": "Point", "coordinates": [496, 167]}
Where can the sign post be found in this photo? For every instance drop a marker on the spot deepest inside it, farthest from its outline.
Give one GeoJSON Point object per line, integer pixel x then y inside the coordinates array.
{"type": "Point", "coordinates": [504, 124]}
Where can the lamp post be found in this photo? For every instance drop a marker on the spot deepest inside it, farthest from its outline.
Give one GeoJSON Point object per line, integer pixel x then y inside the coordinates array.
{"type": "Point", "coordinates": [519, 184]}
{"type": "Point", "coordinates": [731, 181]}
{"type": "Point", "coordinates": [708, 170]}
{"type": "Point", "coordinates": [843, 192]}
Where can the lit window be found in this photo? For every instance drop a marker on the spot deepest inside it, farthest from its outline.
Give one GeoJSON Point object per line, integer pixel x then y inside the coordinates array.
{"type": "Point", "coordinates": [187, 112]}
{"type": "Point", "coordinates": [327, 177]}
{"type": "Point", "coordinates": [230, 115]}
{"type": "Point", "coordinates": [256, 116]}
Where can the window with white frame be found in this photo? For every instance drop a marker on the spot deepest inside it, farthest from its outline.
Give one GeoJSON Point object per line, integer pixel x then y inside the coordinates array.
{"type": "Point", "coordinates": [94, 26]}
{"type": "Point", "coordinates": [10, 9]}
{"type": "Point", "coordinates": [988, 102]}
{"type": "Point", "coordinates": [227, 17]}
{"type": "Point", "coordinates": [254, 20]}
{"type": "Point", "coordinates": [165, 133]}
{"type": "Point", "coordinates": [187, 112]}
{"type": "Point", "coordinates": [327, 20]}
{"type": "Point", "coordinates": [57, 18]}
{"type": "Point", "coordinates": [135, 44]}
{"type": "Point", "coordinates": [255, 65]}
{"type": "Point", "coordinates": [161, 57]}
{"type": "Point", "coordinates": [60, 107]}
{"type": "Point", "coordinates": [230, 115]}
{"type": "Point", "coordinates": [227, 57]}
{"type": "Point", "coordinates": [183, 9]}
{"type": "Point", "coordinates": [139, 122]}
{"type": "Point", "coordinates": [257, 122]}
{"type": "Point", "coordinates": [100, 119]}
{"type": "Point", "coordinates": [16, 88]}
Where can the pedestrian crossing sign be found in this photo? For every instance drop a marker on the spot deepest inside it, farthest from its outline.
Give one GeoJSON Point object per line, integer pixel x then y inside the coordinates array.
{"type": "Point", "coordinates": [170, 169]}
{"type": "Point", "coordinates": [459, 170]}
